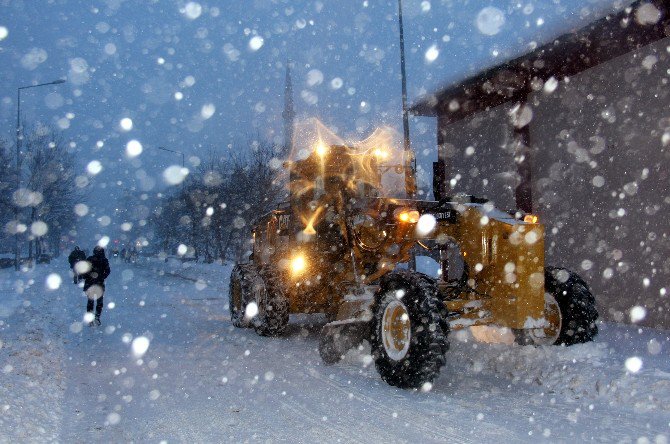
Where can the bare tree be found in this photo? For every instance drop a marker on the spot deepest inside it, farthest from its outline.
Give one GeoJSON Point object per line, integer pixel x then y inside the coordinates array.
{"type": "Point", "coordinates": [134, 213]}
{"type": "Point", "coordinates": [51, 184]}
{"type": "Point", "coordinates": [7, 187]}
{"type": "Point", "coordinates": [252, 190]}
{"type": "Point", "coordinates": [220, 202]}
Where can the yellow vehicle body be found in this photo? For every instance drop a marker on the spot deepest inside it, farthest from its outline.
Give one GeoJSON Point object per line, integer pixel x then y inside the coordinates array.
{"type": "Point", "coordinates": [508, 259]}
{"type": "Point", "coordinates": [340, 247]}
{"type": "Point", "coordinates": [339, 233]}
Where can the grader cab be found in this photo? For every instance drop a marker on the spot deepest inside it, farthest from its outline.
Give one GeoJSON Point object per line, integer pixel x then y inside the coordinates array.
{"type": "Point", "coordinates": [342, 248]}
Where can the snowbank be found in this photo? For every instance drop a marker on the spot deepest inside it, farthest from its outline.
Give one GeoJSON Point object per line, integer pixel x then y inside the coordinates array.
{"type": "Point", "coordinates": [31, 358]}
{"type": "Point", "coordinates": [603, 370]}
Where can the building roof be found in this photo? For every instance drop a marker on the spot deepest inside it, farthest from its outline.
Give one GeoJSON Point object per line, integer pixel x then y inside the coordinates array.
{"type": "Point", "coordinates": [638, 25]}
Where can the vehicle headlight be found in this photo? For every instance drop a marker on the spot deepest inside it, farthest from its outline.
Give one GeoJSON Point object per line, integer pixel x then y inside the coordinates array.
{"type": "Point", "coordinates": [298, 264]}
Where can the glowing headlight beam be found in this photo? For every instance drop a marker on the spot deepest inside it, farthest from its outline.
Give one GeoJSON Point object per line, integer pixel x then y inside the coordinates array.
{"type": "Point", "coordinates": [381, 153]}
{"type": "Point", "coordinates": [321, 149]}
{"type": "Point", "coordinates": [309, 223]}
{"type": "Point", "coordinates": [298, 264]}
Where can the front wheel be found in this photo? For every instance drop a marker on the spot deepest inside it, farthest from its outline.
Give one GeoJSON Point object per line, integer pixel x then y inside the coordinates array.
{"type": "Point", "coordinates": [409, 337]}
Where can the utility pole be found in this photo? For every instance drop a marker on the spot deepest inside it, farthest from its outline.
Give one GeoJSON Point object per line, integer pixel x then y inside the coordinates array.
{"type": "Point", "coordinates": [289, 113]}
{"type": "Point", "coordinates": [410, 165]}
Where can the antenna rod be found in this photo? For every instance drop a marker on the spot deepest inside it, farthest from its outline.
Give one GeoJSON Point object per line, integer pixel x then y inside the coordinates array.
{"type": "Point", "coordinates": [410, 180]}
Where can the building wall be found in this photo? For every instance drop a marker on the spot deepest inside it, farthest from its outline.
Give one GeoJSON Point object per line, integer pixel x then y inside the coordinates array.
{"type": "Point", "coordinates": [601, 176]}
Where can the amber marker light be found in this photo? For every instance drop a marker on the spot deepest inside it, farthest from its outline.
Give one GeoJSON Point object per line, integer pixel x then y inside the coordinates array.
{"type": "Point", "coordinates": [530, 219]}
{"type": "Point", "coordinates": [408, 216]}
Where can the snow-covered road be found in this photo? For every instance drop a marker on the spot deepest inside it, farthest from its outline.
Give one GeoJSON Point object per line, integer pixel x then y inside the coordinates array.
{"type": "Point", "coordinates": [201, 380]}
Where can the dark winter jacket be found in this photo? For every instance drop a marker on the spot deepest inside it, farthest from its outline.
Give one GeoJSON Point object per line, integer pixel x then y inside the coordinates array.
{"type": "Point", "coordinates": [76, 256]}
{"type": "Point", "coordinates": [99, 270]}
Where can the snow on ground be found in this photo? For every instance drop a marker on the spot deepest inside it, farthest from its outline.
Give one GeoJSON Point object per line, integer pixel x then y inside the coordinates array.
{"type": "Point", "coordinates": [203, 380]}
{"type": "Point", "coordinates": [31, 359]}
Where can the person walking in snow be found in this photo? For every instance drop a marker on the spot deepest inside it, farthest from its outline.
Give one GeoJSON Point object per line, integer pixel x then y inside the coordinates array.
{"type": "Point", "coordinates": [77, 255]}
{"type": "Point", "coordinates": [94, 283]}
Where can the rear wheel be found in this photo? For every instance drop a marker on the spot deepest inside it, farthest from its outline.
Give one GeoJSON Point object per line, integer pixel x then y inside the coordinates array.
{"type": "Point", "coordinates": [570, 311]}
{"type": "Point", "coordinates": [576, 303]}
{"type": "Point", "coordinates": [273, 308]}
{"type": "Point", "coordinates": [241, 279]}
{"type": "Point", "coordinates": [409, 338]}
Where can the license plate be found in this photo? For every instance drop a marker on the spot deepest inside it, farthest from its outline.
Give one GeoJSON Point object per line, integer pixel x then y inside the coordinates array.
{"type": "Point", "coordinates": [447, 215]}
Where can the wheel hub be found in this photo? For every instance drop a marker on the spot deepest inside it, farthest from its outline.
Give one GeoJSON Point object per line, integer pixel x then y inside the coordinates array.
{"type": "Point", "coordinates": [259, 299]}
{"type": "Point", "coordinates": [554, 322]}
{"type": "Point", "coordinates": [396, 330]}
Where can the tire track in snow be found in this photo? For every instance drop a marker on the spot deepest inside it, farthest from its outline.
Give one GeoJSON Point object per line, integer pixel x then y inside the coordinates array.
{"type": "Point", "coordinates": [176, 275]}
{"type": "Point", "coordinates": [204, 345]}
{"type": "Point", "coordinates": [417, 422]}
{"type": "Point", "coordinates": [315, 396]}
{"type": "Point", "coordinates": [318, 423]}
{"type": "Point", "coordinates": [427, 421]}
{"type": "Point", "coordinates": [508, 405]}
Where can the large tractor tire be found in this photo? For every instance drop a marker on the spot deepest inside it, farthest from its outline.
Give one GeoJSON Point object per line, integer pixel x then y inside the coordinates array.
{"type": "Point", "coordinates": [409, 330]}
{"type": "Point", "coordinates": [570, 311]}
{"type": "Point", "coordinates": [273, 308]}
{"type": "Point", "coordinates": [576, 304]}
{"type": "Point", "coordinates": [239, 294]}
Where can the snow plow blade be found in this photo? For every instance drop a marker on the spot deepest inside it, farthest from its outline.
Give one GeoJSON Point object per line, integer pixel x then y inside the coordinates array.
{"type": "Point", "coordinates": [338, 337]}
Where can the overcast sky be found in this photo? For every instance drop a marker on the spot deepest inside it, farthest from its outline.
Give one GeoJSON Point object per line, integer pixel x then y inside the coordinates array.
{"type": "Point", "coordinates": [195, 76]}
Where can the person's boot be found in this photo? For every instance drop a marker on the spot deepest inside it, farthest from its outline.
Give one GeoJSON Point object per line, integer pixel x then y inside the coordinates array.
{"type": "Point", "coordinates": [97, 320]}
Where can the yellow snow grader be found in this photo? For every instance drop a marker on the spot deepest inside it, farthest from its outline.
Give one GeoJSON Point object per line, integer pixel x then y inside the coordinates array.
{"type": "Point", "coordinates": [341, 248]}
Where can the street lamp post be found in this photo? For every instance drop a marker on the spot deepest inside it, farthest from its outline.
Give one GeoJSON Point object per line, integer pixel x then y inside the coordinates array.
{"type": "Point", "coordinates": [174, 151]}
{"type": "Point", "coordinates": [182, 160]}
{"type": "Point", "coordinates": [18, 161]}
